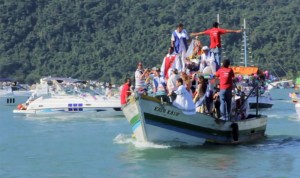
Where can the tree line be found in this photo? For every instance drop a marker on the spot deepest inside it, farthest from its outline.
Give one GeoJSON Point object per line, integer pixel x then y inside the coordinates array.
{"type": "Point", "coordinates": [103, 40]}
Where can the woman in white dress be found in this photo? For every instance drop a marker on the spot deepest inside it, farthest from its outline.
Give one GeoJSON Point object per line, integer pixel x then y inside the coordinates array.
{"type": "Point", "coordinates": [184, 100]}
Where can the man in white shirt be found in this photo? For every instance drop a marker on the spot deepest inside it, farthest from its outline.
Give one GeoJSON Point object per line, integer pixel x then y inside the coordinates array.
{"type": "Point", "coordinates": [208, 64]}
{"type": "Point", "coordinates": [140, 78]}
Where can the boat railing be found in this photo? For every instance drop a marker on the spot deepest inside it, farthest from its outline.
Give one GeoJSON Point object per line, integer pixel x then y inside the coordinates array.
{"type": "Point", "coordinates": [254, 91]}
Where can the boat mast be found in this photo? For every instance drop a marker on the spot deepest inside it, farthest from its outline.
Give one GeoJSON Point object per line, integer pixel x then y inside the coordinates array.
{"type": "Point", "coordinates": [223, 54]}
{"type": "Point", "coordinates": [245, 44]}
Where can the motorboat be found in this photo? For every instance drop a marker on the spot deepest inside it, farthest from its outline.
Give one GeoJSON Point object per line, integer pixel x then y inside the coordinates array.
{"type": "Point", "coordinates": [62, 104]}
{"type": "Point", "coordinates": [297, 106]}
{"type": "Point", "coordinates": [281, 84]}
{"type": "Point", "coordinates": [61, 97]}
{"type": "Point", "coordinates": [264, 99]}
{"type": "Point", "coordinates": [263, 102]}
{"type": "Point", "coordinates": [12, 93]}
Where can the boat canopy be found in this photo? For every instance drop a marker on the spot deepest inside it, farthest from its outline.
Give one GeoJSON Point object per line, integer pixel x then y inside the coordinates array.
{"type": "Point", "coordinates": [244, 70]}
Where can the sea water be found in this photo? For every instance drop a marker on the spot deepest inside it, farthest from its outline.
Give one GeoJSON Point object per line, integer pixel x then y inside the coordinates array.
{"type": "Point", "coordinates": [104, 147]}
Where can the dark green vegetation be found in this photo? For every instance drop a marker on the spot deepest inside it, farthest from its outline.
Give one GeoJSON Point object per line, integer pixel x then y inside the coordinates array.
{"type": "Point", "coordinates": [104, 39]}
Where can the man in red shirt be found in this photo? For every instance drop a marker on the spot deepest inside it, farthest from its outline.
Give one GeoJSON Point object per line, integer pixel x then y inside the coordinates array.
{"type": "Point", "coordinates": [226, 76]}
{"type": "Point", "coordinates": [125, 91]}
{"type": "Point", "coordinates": [215, 40]}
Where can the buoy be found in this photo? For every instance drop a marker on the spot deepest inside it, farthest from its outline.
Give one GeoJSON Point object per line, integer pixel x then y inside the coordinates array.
{"type": "Point", "coordinates": [235, 131]}
{"type": "Point", "coordinates": [20, 106]}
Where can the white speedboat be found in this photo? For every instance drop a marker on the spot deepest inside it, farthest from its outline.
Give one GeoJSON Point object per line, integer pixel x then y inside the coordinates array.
{"type": "Point", "coordinates": [72, 104]}
{"type": "Point", "coordinates": [54, 98]}
{"type": "Point", "coordinates": [281, 84]}
{"type": "Point", "coordinates": [11, 94]}
{"type": "Point", "coordinates": [264, 102]}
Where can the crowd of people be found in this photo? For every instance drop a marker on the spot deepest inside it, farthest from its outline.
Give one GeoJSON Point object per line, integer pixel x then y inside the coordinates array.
{"type": "Point", "coordinates": [191, 76]}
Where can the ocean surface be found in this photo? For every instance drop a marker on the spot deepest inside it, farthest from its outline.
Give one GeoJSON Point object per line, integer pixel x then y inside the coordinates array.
{"type": "Point", "coordinates": [63, 147]}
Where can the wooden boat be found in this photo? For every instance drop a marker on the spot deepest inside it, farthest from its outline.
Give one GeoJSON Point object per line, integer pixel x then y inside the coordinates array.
{"type": "Point", "coordinates": [151, 120]}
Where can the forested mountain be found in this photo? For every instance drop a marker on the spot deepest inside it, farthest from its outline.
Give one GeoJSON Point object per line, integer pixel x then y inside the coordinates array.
{"type": "Point", "coordinates": [103, 39]}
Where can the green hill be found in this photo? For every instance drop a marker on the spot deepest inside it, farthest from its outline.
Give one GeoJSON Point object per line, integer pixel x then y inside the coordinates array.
{"type": "Point", "coordinates": [104, 39]}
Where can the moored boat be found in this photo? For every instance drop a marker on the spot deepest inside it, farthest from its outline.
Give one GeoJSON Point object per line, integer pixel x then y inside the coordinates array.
{"type": "Point", "coordinates": [73, 105]}
{"type": "Point", "coordinates": [12, 93]}
{"type": "Point", "coordinates": [71, 99]}
{"type": "Point", "coordinates": [264, 102]}
{"type": "Point", "coordinates": [282, 84]}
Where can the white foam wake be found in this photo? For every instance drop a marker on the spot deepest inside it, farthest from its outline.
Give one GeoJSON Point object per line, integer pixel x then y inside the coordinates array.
{"type": "Point", "coordinates": [129, 139]}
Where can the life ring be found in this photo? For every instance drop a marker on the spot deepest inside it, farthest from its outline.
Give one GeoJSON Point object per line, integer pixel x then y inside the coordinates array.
{"type": "Point", "coordinates": [235, 131]}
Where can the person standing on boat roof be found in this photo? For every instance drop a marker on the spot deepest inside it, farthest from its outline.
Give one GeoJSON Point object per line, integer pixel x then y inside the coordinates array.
{"type": "Point", "coordinates": [226, 76]}
{"type": "Point", "coordinates": [184, 100]}
{"type": "Point", "coordinates": [215, 40]}
{"type": "Point", "coordinates": [179, 40]}
{"type": "Point", "coordinates": [125, 91]}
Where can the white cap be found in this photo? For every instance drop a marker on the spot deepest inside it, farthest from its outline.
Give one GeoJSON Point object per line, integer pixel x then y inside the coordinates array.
{"type": "Point", "coordinates": [154, 68]}
{"type": "Point", "coordinates": [205, 48]}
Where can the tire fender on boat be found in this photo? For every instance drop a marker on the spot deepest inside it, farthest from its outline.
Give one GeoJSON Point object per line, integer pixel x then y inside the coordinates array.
{"type": "Point", "coordinates": [235, 131]}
